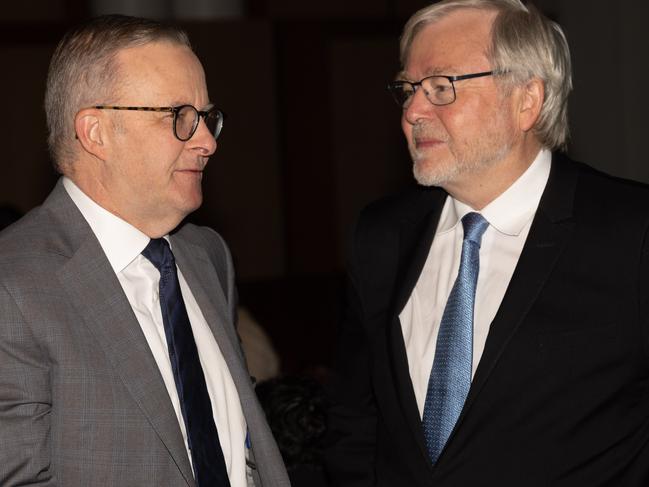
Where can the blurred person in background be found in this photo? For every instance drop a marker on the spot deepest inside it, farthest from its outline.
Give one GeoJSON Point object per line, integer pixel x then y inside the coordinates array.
{"type": "Point", "coordinates": [296, 410]}
{"type": "Point", "coordinates": [261, 357]}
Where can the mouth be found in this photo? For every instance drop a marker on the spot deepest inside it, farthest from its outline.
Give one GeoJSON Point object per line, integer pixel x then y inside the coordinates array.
{"type": "Point", "coordinates": [191, 172]}
{"type": "Point", "coordinates": [427, 143]}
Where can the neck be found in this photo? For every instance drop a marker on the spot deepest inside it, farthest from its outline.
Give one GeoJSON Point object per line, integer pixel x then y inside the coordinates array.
{"type": "Point", "coordinates": [481, 186]}
{"type": "Point", "coordinates": [150, 225]}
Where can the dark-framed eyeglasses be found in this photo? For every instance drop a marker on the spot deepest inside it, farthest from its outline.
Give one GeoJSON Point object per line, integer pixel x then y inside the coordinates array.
{"type": "Point", "coordinates": [439, 89]}
{"type": "Point", "coordinates": [185, 118]}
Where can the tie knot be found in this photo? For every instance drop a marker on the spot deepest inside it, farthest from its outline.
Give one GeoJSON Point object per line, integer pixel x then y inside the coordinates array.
{"type": "Point", "coordinates": [474, 226]}
{"type": "Point", "coordinates": [159, 254]}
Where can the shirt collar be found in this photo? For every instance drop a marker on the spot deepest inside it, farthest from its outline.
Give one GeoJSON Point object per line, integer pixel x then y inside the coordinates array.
{"type": "Point", "coordinates": [510, 212]}
{"type": "Point", "coordinates": [121, 241]}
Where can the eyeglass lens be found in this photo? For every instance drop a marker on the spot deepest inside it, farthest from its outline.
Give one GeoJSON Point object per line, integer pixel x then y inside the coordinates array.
{"type": "Point", "coordinates": [438, 90]}
{"type": "Point", "coordinates": [187, 122]}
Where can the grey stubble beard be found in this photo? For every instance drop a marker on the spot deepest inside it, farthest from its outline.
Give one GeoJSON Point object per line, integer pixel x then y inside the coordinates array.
{"type": "Point", "coordinates": [491, 149]}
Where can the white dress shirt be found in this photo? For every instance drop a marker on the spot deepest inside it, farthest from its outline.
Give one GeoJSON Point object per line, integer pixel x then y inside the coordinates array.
{"type": "Point", "coordinates": [510, 218]}
{"type": "Point", "coordinates": [122, 243]}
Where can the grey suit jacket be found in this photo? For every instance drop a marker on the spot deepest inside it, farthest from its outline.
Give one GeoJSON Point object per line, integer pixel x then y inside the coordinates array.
{"type": "Point", "coordinates": [81, 399]}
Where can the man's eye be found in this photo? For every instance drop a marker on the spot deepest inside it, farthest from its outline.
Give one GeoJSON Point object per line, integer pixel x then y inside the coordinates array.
{"type": "Point", "coordinates": [408, 91]}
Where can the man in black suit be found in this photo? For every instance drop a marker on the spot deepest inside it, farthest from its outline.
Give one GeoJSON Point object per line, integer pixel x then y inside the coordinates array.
{"type": "Point", "coordinates": [496, 331]}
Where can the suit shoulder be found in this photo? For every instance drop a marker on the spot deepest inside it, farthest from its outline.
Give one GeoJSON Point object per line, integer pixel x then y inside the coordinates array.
{"type": "Point", "coordinates": [210, 241]}
{"type": "Point", "coordinates": [12, 238]}
{"type": "Point", "coordinates": [612, 193]}
{"type": "Point", "coordinates": [595, 176]}
{"type": "Point", "coordinates": [34, 234]}
{"type": "Point", "coordinates": [202, 236]}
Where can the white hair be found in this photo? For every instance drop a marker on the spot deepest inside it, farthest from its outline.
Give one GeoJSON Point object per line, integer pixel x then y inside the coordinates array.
{"type": "Point", "coordinates": [524, 45]}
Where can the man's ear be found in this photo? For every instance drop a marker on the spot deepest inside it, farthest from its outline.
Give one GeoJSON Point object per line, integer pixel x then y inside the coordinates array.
{"type": "Point", "coordinates": [532, 97]}
{"type": "Point", "coordinates": [90, 127]}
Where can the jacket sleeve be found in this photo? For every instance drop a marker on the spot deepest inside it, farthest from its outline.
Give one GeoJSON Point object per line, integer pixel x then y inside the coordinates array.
{"type": "Point", "coordinates": [351, 440]}
{"type": "Point", "coordinates": [25, 401]}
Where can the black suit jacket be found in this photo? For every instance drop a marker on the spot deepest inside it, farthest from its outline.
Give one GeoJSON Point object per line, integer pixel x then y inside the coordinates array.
{"type": "Point", "coordinates": [561, 393]}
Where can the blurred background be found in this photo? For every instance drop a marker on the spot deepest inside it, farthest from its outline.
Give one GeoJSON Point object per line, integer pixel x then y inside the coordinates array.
{"type": "Point", "coordinates": [311, 135]}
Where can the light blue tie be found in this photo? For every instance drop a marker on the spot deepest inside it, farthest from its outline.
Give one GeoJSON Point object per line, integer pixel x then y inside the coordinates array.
{"type": "Point", "coordinates": [450, 377]}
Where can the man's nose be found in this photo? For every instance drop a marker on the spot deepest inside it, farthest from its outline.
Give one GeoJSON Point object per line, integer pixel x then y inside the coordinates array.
{"type": "Point", "coordinates": [203, 139]}
{"type": "Point", "coordinates": [419, 107]}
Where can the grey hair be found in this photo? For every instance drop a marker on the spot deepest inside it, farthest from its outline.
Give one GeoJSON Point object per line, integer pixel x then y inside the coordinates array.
{"type": "Point", "coordinates": [83, 71]}
{"type": "Point", "coordinates": [524, 45]}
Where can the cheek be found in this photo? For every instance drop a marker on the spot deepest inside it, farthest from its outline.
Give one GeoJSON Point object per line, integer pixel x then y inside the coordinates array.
{"type": "Point", "coordinates": [407, 128]}
{"type": "Point", "coordinates": [162, 158]}
{"type": "Point", "coordinates": [464, 120]}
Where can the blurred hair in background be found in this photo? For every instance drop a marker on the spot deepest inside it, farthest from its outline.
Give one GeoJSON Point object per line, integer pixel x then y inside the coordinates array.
{"type": "Point", "coordinates": [295, 408]}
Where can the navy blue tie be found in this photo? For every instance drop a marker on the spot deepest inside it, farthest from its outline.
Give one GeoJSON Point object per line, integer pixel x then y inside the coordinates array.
{"type": "Point", "coordinates": [450, 377]}
{"type": "Point", "coordinates": [202, 436]}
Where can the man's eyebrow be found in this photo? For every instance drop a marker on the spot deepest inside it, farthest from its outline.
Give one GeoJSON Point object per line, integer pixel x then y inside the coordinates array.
{"type": "Point", "coordinates": [443, 70]}
{"type": "Point", "coordinates": [202, 109]}
{"type": "Point", "coordinates": [446, 70]}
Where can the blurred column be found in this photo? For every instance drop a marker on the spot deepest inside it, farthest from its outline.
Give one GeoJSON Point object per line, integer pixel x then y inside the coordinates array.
{"type": "Point", "coordinates": [631, 83]}
{"type": "Point", "coordinates": [208, 9]}
{"type": "Point", "coordinates": [156, 9]}
{"type": "Point", "coordinates": [176, 9]}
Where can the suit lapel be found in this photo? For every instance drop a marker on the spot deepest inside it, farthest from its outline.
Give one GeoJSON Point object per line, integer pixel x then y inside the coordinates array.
{"type": "Point", "coordinates": [98, 297]}
{"type": "Point", "coordinates": [416, 235]}
{"type": "Point", "coordinates": [550, 231]}
{"type": "Point", "coordinates": [200, 274]}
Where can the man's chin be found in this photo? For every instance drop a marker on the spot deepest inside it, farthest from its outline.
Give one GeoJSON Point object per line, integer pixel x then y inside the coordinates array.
{"type": "Point", "coordinates": [193, 206]}
{"type": "Point", "coordinates": [191, 202]}
{"type": "Point", "coordinates": [427, 173]}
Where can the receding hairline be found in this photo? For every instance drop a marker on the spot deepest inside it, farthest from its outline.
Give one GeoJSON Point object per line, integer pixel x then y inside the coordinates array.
{"type": "Point", "coordinates": [444, 14]}
{"type": "Point", "coordinates": [125, 75]}
{"type": "Point", "coordinates": [451, 68]}
{"type": "Point", "coordinates": [117, 55]}
{"type": "Point", "coordinates": [82, 70]}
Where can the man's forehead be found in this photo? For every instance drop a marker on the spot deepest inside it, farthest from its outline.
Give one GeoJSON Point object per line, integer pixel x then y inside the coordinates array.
{"type": "Point", "coordinates": [162, 72]}
{"type": "Point", "coordinates": [450, 45]}
{"type": "Point", "coordinates": [155, 55]}
{"type": "Point", "coordinates": [431, 70]}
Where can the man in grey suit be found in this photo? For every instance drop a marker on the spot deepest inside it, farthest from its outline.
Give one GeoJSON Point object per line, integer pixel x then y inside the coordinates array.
{"type": "Point", "coordinates": [119, 360]}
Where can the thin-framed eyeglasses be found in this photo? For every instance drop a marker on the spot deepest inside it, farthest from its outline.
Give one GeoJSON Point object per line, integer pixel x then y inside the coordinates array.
{"type": "Point", "coordinates": [439, 89]}
{"type": "Point", "coordinates": [185, 118]}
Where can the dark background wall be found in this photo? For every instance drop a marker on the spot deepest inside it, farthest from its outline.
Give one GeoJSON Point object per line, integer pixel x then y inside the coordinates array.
{"type": "Point", "coordinates": [311, 134]}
